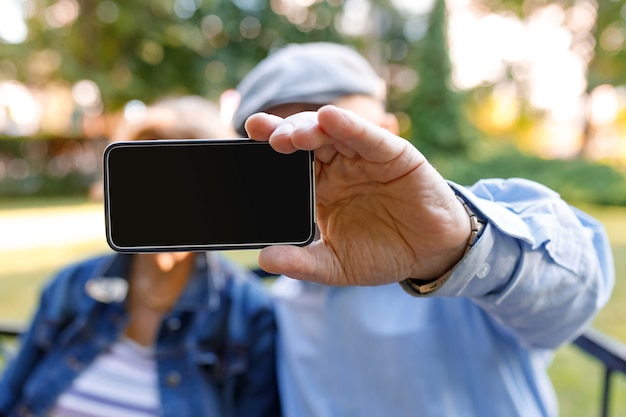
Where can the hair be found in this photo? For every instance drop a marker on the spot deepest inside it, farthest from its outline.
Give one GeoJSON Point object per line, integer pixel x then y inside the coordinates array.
{"type": "Point", "coordinates": [186, 117]}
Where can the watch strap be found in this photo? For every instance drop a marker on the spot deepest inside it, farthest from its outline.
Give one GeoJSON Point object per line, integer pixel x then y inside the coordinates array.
{"type": "Point", "coordinates": [420, 287]}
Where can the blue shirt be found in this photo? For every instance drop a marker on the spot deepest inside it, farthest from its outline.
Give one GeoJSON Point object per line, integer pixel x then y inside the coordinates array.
{"type": "Point", "coordinates": [478, 346]}
{"type": "Point", "coordinates": [215, 351]}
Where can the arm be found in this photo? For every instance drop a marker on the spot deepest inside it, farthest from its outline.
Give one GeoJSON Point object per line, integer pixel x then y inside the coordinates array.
{"type": "Point", "coordinates": [56, 307]}
{"type": "Point", "coordinates": [30, 352]}
{"type": "Point", "coordinates": [385, 215]}
{"type": "Point", "coordinates": [541, 268]}
{"type": "Point", "coordinates": [257, 396]}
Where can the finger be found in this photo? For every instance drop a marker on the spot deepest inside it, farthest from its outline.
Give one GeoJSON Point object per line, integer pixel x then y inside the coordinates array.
{"type": "Point", "coordinates": [261, 125]}
{"type": "Point", "coordinates": [278, 131]}
{"type": "Point", "coordinates": [289, 138]}
{"type": "Point", "coordinates": [302, 125]}
{"type": "Point", "coordinates": [350, 131]}
{"type": "Point", "coordinates": [311, 263]}
{"type": "Point", "coordinates": [292, 261]}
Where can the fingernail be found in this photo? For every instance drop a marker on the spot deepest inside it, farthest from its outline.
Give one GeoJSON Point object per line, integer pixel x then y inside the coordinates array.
{"type": "Point", "coordinates": [285, 129]}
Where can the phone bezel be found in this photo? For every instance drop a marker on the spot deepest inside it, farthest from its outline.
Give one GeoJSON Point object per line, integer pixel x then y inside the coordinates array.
{"type": "Point", "coordinates": [198, 247]}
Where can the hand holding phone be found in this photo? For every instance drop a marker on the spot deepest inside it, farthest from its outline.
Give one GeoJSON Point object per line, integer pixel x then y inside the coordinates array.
{"type": "Point", "coordinates": [192, 195]}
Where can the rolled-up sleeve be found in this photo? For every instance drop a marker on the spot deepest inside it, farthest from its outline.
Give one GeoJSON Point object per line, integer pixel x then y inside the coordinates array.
{"type": "Point", "coordinates": [541, 268]}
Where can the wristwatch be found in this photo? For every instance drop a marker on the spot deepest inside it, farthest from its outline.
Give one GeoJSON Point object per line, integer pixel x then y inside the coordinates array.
{"type": "Point", "coordinates": [420, 287]}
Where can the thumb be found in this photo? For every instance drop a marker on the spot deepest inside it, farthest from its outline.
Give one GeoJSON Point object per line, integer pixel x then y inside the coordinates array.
{"type": "Point", "coordinates": [304, 263]}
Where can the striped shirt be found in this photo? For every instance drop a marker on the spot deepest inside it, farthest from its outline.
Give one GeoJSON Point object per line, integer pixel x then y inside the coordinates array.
{"type": "Point", "coordinates": [121, 382]}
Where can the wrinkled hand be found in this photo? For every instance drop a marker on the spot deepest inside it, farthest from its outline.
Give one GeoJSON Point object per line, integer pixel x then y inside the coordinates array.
{"type": "Point", "coordinates": [384, 213]}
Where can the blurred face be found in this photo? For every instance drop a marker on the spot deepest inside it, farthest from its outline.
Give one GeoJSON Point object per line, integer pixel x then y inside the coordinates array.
{"type": "Point", "coordinates": [367, 107]}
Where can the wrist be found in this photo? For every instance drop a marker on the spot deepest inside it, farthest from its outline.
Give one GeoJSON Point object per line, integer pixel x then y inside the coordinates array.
{"type": "Point", "coordinates": [420, 287]}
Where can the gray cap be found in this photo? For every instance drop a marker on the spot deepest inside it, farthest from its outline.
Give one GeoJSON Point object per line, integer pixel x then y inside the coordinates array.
{"type": "Point", "coordinates": [312, 73]}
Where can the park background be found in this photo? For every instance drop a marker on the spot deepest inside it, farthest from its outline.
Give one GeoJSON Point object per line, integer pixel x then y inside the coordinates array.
{"type": "Point", "coordinates": [484, 88]}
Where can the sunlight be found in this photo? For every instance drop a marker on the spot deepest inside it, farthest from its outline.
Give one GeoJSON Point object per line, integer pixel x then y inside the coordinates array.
{"type": "Point", "coordinates": [421, 7]}
{"type": "Point", "coordinates": [604, 105]}
{"type": "Point", "coordinates": [87, 95]}
{"type": "Point", "coordinates": [355, 19]}
{"type": "Point", "coordinates": [483, 45]}
{"type": "Point", "coordinates": [547, 54]}
{"type": "Point", "coordinates": [22, 109]}
{"type": "Point", "coordinates": [12, 26]}
{"type": "Point", "coordinates": [62, 13]}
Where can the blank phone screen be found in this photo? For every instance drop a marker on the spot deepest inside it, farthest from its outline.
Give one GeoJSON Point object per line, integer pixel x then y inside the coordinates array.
{"type": "Point", "coordinates": [206, 194]}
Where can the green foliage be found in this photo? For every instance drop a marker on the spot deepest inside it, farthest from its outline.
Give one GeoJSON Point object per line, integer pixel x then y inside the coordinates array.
{"type": "Point", "coordinates": [608, 65]}
{"type": "Point", "coordinates": [55, 167]}
{"type": "Point", "coordinates": [435, 109]}
{"type": "Point", "coordinates": [72, 183]}
{"type": "Point", "coordinates": [146, 49]}
{"type": "Point", "coordinates": [576, 180]}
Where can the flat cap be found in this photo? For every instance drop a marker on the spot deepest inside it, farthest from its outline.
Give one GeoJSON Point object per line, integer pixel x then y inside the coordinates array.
{"type": "Point", "coordinates": [312, 73]}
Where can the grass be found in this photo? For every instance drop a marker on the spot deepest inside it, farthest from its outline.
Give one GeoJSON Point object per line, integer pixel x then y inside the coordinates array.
{"type": "Point", "coordinates": [577, 377]}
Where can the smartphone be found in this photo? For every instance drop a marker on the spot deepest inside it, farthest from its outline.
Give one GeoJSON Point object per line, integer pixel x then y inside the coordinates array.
{"type": "Point", "coordinates": [206, 194]}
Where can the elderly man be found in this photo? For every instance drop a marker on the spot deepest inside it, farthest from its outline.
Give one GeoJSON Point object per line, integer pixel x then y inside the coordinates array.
{"type": "Point", "coordinates": [498, 275]}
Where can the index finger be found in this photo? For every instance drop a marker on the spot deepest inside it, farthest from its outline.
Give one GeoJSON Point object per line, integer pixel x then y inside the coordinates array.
{"type": "Point", "coordinates": [346, 130]}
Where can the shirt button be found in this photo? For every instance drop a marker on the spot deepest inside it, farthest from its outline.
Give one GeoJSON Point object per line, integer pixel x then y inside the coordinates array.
{"type": "Point", "coordinates": [173, 324]}
{"type": "Point", "coordinates": [483, 271]}
{"type": "Point", "coordinates": [173, 379]}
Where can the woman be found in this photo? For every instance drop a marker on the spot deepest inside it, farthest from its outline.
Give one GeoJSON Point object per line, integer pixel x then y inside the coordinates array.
{"type": "Point", "coordinates": [169, 334]}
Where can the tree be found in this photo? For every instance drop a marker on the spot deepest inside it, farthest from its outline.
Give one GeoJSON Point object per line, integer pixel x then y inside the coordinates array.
{"type": "Point", "coordinates": [435, 109]}
{"type": "Point", "coordinates": [147, 49]}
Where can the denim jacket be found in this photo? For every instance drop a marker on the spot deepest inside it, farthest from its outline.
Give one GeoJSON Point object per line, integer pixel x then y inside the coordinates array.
{"type": "Point", "coordinates": [215, 350]}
